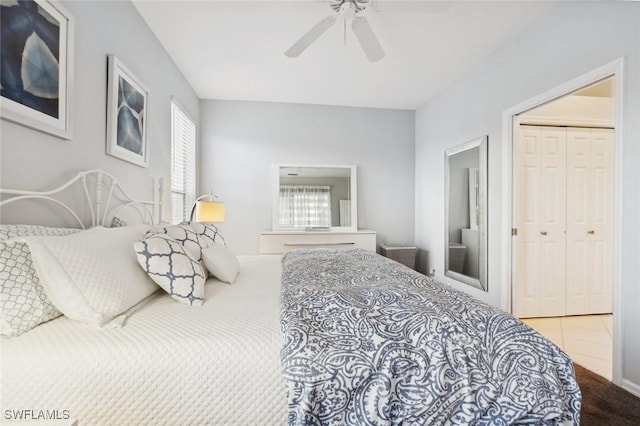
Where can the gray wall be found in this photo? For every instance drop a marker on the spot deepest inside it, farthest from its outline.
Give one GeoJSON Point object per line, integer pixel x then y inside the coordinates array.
{"type": "Point", "coordinates": [33, 160]}
{"type": "Point", "coordinates": [241, 140]}
{"type": "Point", "coordinates": [572, 39]}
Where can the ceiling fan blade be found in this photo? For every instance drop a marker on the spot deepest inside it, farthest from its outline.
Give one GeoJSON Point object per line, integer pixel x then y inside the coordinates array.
{"type": "Point", "coordinates": [312, 35]}
{"type": "Point", "coordinates": [366, 37]}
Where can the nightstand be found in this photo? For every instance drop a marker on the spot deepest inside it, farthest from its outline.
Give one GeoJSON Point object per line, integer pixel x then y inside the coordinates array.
{"type": "Point", "coordinates": [400, 253]}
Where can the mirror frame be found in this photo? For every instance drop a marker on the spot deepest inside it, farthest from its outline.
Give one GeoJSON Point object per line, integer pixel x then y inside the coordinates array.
{"type": "Point", "coordinates": [353, 193]}
{"type": "Point", "coordinates": [480, 282]}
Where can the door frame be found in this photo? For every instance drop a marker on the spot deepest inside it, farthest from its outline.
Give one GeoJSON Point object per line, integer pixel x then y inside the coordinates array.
{"type": "Point", "coordinates": [509, 119]}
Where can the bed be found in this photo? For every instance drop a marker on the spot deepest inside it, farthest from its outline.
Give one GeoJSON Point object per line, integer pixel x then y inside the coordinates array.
{"type": "Point", "coordinates": [316, 337]}
{"type": "Point", "coordinates": [169, 364]}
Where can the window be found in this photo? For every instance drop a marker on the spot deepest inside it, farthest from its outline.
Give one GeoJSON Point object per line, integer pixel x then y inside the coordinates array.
{"type": "Point", "coordinates": [183, 163]}
{"type": "Point", "coordinates": [305, 205]}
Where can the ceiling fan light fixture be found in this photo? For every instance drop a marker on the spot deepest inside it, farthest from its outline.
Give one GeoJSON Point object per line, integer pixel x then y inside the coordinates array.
{"type": "Point", "coordinates": [350, 9]}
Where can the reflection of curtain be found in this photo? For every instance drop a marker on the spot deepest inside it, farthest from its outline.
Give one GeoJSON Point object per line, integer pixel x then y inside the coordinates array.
{"type": "Point", "coordinates": [305, 205]}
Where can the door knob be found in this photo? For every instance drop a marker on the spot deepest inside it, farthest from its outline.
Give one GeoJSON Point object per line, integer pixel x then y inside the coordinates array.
{"type": "Point", "coordinates": [543, 233]}
{"type": "Point", "coordinates": [591, 231]}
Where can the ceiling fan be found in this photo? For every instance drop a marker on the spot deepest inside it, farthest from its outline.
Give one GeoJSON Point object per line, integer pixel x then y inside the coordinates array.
{"type": "Point", "coordinates": [350, 9]}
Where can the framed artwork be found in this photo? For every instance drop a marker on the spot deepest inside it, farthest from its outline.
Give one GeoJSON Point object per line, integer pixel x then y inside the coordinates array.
{"type": "Point", "coordinates": [36, 59]}
{"type": "Point", "coordinates": [126, 115]}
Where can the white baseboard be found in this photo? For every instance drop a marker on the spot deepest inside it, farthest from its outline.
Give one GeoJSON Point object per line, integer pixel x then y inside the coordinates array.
{"type": "Point", "coordinates": [634, 388]}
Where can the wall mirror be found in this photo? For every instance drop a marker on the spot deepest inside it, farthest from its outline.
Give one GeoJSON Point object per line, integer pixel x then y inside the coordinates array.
{"type": "Point", "coordinates": [314, 198]}
{"type": "Point", "coordinates": [465, 258]}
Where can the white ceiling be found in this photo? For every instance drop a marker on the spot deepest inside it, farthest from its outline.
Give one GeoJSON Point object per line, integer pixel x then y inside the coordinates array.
{"type": "Point", "coordinates": [234, 50]}
{"type": "Point", "coordinates": [603, 89]}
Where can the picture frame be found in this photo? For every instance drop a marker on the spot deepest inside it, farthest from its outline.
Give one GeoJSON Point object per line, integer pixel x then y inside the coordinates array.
{"type": "Point", "coordinates": [126, 115]}
{"type": "Point", "coordinates": [37, 93]}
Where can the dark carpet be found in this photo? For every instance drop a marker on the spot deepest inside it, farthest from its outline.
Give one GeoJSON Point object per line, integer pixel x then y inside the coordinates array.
{"type": "Point", "coordinates": [604, 403]}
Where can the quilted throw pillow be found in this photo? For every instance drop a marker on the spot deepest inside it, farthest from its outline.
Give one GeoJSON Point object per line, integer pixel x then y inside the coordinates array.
{"type": "Point", "coordinates": [172, 267]}
{"type": "Point", "coordinates": [23, 301]}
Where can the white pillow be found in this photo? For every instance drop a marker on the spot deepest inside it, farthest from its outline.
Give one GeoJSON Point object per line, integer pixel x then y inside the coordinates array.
{"type": "Point", "coordinates": [221, 262]}
{"type": "Point", "coordinates": [23, 302]}
{"type": "Point", "coordinates": [172, 267]}
{"type": "Point", "coordinates": [92, 276]}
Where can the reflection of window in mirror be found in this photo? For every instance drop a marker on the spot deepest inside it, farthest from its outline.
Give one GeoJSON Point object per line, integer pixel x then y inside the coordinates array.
{"type": "Point", "coordinates": [315, 197]}
{"type": "Point", "coordinates": [303, 206]}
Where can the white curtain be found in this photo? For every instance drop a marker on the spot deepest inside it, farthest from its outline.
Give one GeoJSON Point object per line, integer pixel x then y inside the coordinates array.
{"type": "Point", "coordinates": [305, 205]}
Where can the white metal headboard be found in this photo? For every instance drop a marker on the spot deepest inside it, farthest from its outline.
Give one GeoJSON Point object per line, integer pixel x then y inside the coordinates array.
{"type": "Point", "coordinates": [117, 200]}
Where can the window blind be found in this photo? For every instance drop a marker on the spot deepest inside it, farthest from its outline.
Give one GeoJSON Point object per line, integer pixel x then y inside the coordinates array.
{"type": "Point", "coordinates": [183, 164]}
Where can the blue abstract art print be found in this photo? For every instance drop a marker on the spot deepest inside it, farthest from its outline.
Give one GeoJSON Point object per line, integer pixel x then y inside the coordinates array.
{"type": "Point", "coordinates": [36, 47]}
{"type": "Point", "coordinates": [127, 110]}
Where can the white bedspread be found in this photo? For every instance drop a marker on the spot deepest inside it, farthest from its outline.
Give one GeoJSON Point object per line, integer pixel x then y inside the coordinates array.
{"type": "Point", "coordinates": [170, 364]}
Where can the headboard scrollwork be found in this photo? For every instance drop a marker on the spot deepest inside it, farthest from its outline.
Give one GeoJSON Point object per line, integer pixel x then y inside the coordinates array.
{"type": "Point", "coordinates": [102, 194]}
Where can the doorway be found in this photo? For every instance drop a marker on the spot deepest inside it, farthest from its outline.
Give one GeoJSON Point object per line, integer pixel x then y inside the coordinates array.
{"type": "Point", "coordinates": [563, 216]}
{"type": "Point", "coordinates": [590, 82]}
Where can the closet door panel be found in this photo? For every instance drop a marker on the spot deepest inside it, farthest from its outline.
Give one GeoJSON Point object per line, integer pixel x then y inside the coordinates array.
{"type": "Point", "coordinates": [540, 275]}
{"type": "Point", "coordinates": [578, 221]}
{"type": "Point", "coordinates": [528, 272]}
{"type": "Point", "coordinates": [553, 221]}
{"type": "Point", "coordinates": [601, 209]}
{"type": "Point", "coordinates": [589, 221]}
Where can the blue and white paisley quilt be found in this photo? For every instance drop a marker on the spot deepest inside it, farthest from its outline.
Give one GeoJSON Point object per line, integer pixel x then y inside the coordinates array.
{"type": "Point", "coordinates": [370, 342]}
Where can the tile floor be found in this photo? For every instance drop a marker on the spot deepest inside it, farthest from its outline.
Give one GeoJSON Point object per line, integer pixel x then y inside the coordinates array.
{"type": "Point", "coordinates": [585, 338]}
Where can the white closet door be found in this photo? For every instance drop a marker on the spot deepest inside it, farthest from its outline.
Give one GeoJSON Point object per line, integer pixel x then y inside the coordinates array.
{"type": "Point", "coordinates": [589, 221]}
{"type": "Point", "coordinates": [541, 192]}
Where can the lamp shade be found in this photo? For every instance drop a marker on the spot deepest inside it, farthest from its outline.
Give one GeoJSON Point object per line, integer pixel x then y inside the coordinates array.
{"type": "Point", "coordinates": [209, 211]}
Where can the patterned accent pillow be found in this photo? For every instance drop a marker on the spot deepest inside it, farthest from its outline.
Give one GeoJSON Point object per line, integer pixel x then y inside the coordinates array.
{"type": "Point", "coordinates": [172, 267]}
{"type": "Point", "coordinates": [23, 301]}
{"type": "Point", "coordinates": [185, 235]}
{"type": "Point", "coordinates": [116, 222]}
{"type": "Point", "coordinates": [209, 233]}
{"type": "Point", "coordinates": [12, 231]}
{"type": "Point", "coordinates": [194, 236]}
